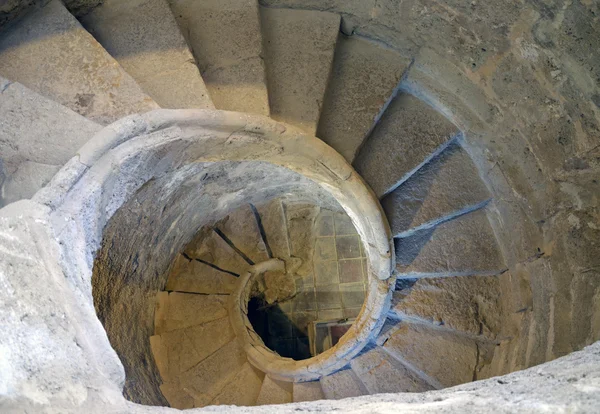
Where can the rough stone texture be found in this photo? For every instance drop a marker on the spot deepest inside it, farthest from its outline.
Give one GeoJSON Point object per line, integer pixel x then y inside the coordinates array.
{"type": "Point", "coordinates": [381, 373]}
{"type": "Point", "coordinates": [37, 129]}
{"type": "Point", "coordinates": [455, 357]}
{"type": "Point", "coordinates": [143, 36]}
{"type": "Point", "coordinates": [446, 186]}
{"type": "Point", "coordinates": [342, 384]}
{"type": "Point", "coordinates": [274, 222]}
{"type": "Point", "coordinates": [274, 392]}
{"type": "Point", "coordinates": [461, 246]}
{"type": "Point", "coordinates": [85, 78]}
{"type": "Point", "coordinates": [26, 181]}
{"type": "Point", "coordinates": [181, 310]}
{"type": "Point", "coordinates": [307, 391]}
{"type": "Point", "coordinates": [409, 133]}
{"type": "Point", "coordinates": [363, 78]}
{"type": "Point", "coordinates": [241, 228]}
{"type": "Point", "coordinates": [13, 10]}
{"type": "Point", "coordinates": [192, 276]}
{"type": "Point", "coordinates": [468, 304]}
{"type": "Point", "coordinates": [225, 38]}
{"type": "Point", "coordinates": [209, 247]}
{"type": "Point", "coordinates": [300, 224]}
{"type": "Point", "coordinates": [243, 389]}
{"type": "Point", "coordinates": [299, 47]}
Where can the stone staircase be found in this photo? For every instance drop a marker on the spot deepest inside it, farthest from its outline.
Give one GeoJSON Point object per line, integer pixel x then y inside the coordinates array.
{"type": "Point", "coordinates": [63, 78]}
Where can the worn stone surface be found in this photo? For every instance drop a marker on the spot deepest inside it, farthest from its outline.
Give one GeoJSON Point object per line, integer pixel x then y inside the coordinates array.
{"type": "Point", "coordinates": [143, 36]}
{"type": "Point", "coordinates": [381, 373]}
{"type": "Point", "coordinates": [180, 310]}
{"type": "Point", "coordinates": [364, 77]}
{"type": "Point", "coordinates": [299, 47]}
{"type": "Point", "coordinates": [243, 389]}
{"type": "Point", "coordinates": [342, 384]}
{"type": "Point", "coordinates": [86, 78]}
{"type": "Point", "coordinates": [446, 186]}
{"type": "Point", "coordinates": [209, 247]}
{"type": "Point", "coordinates": [274, 222]}
{"type": "Point", "coordinates": [300, 224]}
{"type": "Point", "coordinates": [461, 246]}
{"type": "Point", "coordinates": [274, 392]}
{"type": "Point", "coordinates": [469, 304]}
{"type": "Point", "coordinates": [409, 133]}
{"type": "Point", "coordinates": [455, 357]}
{"type": "Point", "coordinates": [226, 40]}
{"type": "Point", "coordinates": [307, 391]}
{"type": "Point", "coordinates": [192, 276]}
{"type": "Point", "coordinates": [26, 181]}
{"type": "Point", "coordinates": [241, 228]}
{"type": "Point", "coordinates": [38, 129]}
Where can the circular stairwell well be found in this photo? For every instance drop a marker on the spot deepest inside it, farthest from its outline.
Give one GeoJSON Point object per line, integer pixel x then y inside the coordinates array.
{"type": "Point", "coordinates": [255, 203]}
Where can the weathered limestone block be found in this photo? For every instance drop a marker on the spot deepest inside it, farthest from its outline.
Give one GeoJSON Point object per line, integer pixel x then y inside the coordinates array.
{"type": "Point", "coordinates": [307, 391]}
{"type": "Point", "coordinates": [209, 247]}
{"type": "Point", "coordinates": [192, 276]}
{"type": "Point", "coordinates": [273, 221]}
{"type": "Point", "coordinates": [342, 384]}
{"type": "Point", "coordinates": [274, 392]}
{"type": "Point", "coordinates": [177, 310]}
{"type": "Point", "coordinates": [243, 388]}
{"type": "Point", "coordinates": [241, 228]}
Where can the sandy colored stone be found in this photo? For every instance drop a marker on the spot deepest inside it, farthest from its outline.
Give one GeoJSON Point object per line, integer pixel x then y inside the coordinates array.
{"type": "Point", "coordinates": [143, 36]}
{"type": "Point", "coordinates": [197, 277]}
{"type": "Point", "coordinates": [342, 384]}
{"type": "Point", "coordinates": [299, 47]}
{"type": "Point", "coordinates": [209, 247]}
{"type": "Point", "coordinates": [364, 77]}
{"type": "Point", "coordinates": [185, 310]}
{"type": "Point", "coordinates": [181, 353]}
{"type": "Point", "coordinates": [469, 304]}
{"type": "Point", "coordinates": [300, 223]}
{"type": "Point", "coordinates": [409, 133]}
{"type": "Point", "coordinates": [307, 391]}
{"type": "Point", "coordinates": [176, 397]}
{"type": "Point", "coordinates": [464, 245]}
{"type": "Point", "coordinates": [243, 390]}
{"type": "Point", "coordinates": [225, 38]}
{"type": "Point", "coordinates": [381, 373]}
{"type": "Point", "coordinates": [241, 228]}
{"type": "Point", "coordinates": [279, 287]}
{"type": "Point", "coordinates": [85, 78]}
{"type": "Point", "coordinates": [210, 336]}
{"type": "Point", "coordinates": [274, 392]}
{"type": "Point", "coordinates": [274, 222]}
{"type": "Point", "coordinates": [446, 186]}
{"type": "Point", "coordinates": [455, 357]}
{"type": "Point", "coordinates": [160, 353]}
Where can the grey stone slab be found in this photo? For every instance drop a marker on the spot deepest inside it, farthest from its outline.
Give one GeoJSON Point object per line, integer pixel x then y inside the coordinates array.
{"type": "Point", "coordinates": [243, 389]}
{"type": "Point", "coordinates": [469, 304]}
{"type": "Point", "coordinates": [26, 181]}
{"type": "Point", "coordinates": [324, 249]}
{"type": "Point", "coordinates": [342, 384]}
{"type": "Point", "coordinates": [380, 372]}
{"type": "Point", "coordinates": [209, 247]}
{"type": "Point", "coordinates": [51, 53]}
{"type": "Point", "coordinates": [445, 357]}
{"type": "Point", "coordinates": [241, 228]}
{"type": "Point", "coordinates": [143, 36]}
{"type": "Point", "coordinates": [35, 128]}
{"type": "Point", "coordinates": [307, 391]}
{"type": "Point", "coordinates": [274, 392]}
{"type": "Point", "coordinates": [407, 135]}
{"type": "Point", "coordinates": [352, 294]}
{"type": "Point", "coordinates": [300, 222]}
{"type": "Point", "coordinates": [462, 246]}
{"type": "Point", "coordinates": [299, 47]}
{"type": "Point", "coordinates": [226, 40]}
{"type": "Point", "coordinates": [364, 77]}
{"type": "Point", "coordinates": [347, 247]}
{"type": "Point", "coordinates": [448, 185]}
{"type": "Point", "coordinates": [274, 223]}
{"type": "Point", "coordinates": [193, 276]}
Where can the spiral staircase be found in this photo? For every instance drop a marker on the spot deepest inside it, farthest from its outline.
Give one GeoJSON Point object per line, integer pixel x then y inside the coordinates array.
{"type": "Point", "coordinates": [435, 314]}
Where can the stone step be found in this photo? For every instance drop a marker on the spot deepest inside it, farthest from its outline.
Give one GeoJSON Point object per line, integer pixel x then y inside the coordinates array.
{"type": "Point", "coordinates": [364, 77]}
{"type": "Point", "coordinates": [342, 384]}
{"type": "Point", "coordinates": [243, 389]}
{"type": "Point", "coordinates": [242, 229]}
{"type": "Point", "coordinates": [226, 40]}
{"type": "Point", "coordinates": [408, 134]}
{"type": "Point", "coordinates": [206, 380]}
{"type": "Point", "coordinates": [38, 137]}
{"type": "Point", "coordinates": [273, 221]}
{"type": "Point", "coordinates": [193, 276]}
{"type": "Point", "coordinates": [443, 357]}
{"type": "Point", "coordinates": [447, 186]}
{"type": "Point", "coordinates": [468, 304]}
{"type": "Point", "coordinates": [381, 373]}
{"type": "Point", "coordinates": [299, 47]}
{"type": "Point", "coordinates": [51, 53]}
{"type": "Point", "coordinates": [274, 392]}
{"type": "Point", "coordinates": [211, 248]}
{"type": "Point", "coordinates": [307, 391]}
{"type": "Point", "coordinates": [463, 246]}
{"type": "Point", "coordinates": [143, 36]}
{"type": "Point", "coordinates": [177, 310]}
